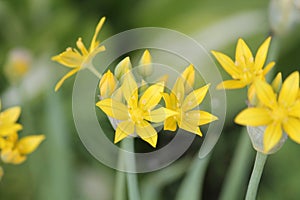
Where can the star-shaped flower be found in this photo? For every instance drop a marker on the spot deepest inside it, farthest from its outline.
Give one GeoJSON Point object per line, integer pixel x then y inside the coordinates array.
{"type": "Point", "coordinates": [77, 60]}
{"type": "Point", "coordinates": [246, 69]}
{"type": "Point", "coordinates": [136, 115]}
{"type": "Point", "coordinates": [278, 114]}
{"type": "Point", "coordinates": [187, 117]}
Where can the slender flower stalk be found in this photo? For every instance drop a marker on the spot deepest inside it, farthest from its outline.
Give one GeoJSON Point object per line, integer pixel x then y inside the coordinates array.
{"type": "Point", "coordinates": [82, 58]}
{"type": "Point", "coordinates": [260, 161]}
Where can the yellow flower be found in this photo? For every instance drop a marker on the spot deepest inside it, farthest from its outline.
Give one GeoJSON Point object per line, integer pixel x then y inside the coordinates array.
{"type": "Point", "coordinates": [278, 114]}
{"type": "Point", "coordinates": [8, 121]}
{"type": "Point", "coordinates": [14, 151]}
{"type": "Point", "coordinates": [246, 69]}
{"type": "Point", "coordinates": [136, 116]}
{"type": "Point", "coordinates": [107, 84]}
{"type": "Point", "coordinates": [189, 76]}
{"type": "Point", "coordinates": [187, 118]}
{"type": "Point", "coordinates": [77, 60]}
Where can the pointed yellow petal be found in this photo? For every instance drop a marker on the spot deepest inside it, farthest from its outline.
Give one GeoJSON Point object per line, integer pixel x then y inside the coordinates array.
{"type": "Point", "coordinates": [178, 90]}
{"type": "Point", "coordinates": [151, 96]}
{"type": "Point", "coordinates": [243, 54]}
{"type": "Point", "coordinates": [277, 82]}
{"type": "Point", "coordinates": [10, 115]}
{"type": "Point", "coordinates": [189, 78]}
{"type": "Point", "coordinates": [159, 115]}
{"type": "Point", "coordinates": [261, 55]}
{"type": "Point", "coordinates": [167, 100]}
{"type": "Point", "coordinates": [130, 90]}
{"type": "Point", "coordinates": [294, 111]}
{"type": "Point", "coordinates": [190, 127]}
{"type": "Point", "coordinates": [253, 117]}
{"type": "Point", "coordinates": [292, 128]}
{"type": "Point", "coordinates": [147, 133]}
{"type": "Point", "coordinates": [146, 58]}
{"type": "Point", "coordinates": [124, 129]}
{"type": "Point", "coordinates": [265, 93]}
{"type": "Point", "coordinates": [268, 68]}
{"type": "Point", "coordinates": [170, 124]}
{"type": "Point", "coordinates": [28, 144]}
{"type": "Point", "coordinates": [231, 84]}
{"type": "Point", "coordinates": [94, 42]}
{"type": "Point", "coordinates": [272, 136]}
{"type": "Point", "coordinates": [289, 90]}
{"type": "Point", "coordinates": [65, 77]}
{"type": "Point", "coordinates": [203, 117]}
{"type": "Point", "coordinates": [8, 129]}
{"type": "Point", "coordinates": [227, 64]}
{"type": "Point", "coordinates": [114, 109]}
{"type": "Point", "coordinates": [69, 58]}
{"type": "Point", "coordinates": [195, 98]}
{"type": "Point", "coordinates": [82, 47]}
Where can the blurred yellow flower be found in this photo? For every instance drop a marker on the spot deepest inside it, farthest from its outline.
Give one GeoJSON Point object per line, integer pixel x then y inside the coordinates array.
{"type": "Point", "coordinates": [246, 69]}
{"type": "Point", "coordinates": [8, 121]}
{"type": "Point", "coordinates": [77, 60]}
{"type": "Point", "coordinates": [278, 114]}
{"type": "Point", "coordinates": [14, 151]}
{"type": "Point", "coordinates": [186, 118]}
{"type": "Point", "coordinates": [107, 85]}
{"type": "Point", "coordinates": [136, 116]}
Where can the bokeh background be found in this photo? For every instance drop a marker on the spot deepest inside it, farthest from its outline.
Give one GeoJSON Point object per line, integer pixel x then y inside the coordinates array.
{"type": "Point", "coordinates": [32, 31]}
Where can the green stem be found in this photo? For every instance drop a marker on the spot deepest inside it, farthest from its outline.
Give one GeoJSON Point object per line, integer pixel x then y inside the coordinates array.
{"type": "Point", "coordinates": [120, 177]}
{"type": "Point", "coordinates": [191, 187]}
{"type": "Point", "coordinates": [260, 161]}
{"type": "Point", "coordinates": [132, 181]}
{"type": "Point", "coordinates": [94, 71]}
{"type": "Point", "coordinates": [236, 176]}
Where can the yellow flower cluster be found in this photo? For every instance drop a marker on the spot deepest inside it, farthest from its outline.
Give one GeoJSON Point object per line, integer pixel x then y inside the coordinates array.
{"type": "Point", "coordinates": [12, 149]}
{"type": "Point", "coordinates": [136, 106]}
{"type": "Point", "coordinates": [274, 106]}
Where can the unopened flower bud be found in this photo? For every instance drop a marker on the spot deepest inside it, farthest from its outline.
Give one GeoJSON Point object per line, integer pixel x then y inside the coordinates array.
{"type": "Point", "coordinates": [122, 68]}
{"type": "Point", "coordinates": [107, 85]}
{"type": "Point", "coordinates": [145, 69]}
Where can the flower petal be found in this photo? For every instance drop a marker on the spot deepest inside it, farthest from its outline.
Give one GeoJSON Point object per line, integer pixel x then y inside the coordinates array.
{"type": "Point", "coordinates": [147, 133]}
{"type": "Point", "coordinates": [130, 90]}
{"type": "Point", "coordinates": [82, 47]}
{"type": "Point", "coordinates": [69, 58]}
{"type": "Point", "coordinates": [10, 115]}
{"type": "Point", "coordinates": [295, 110]}
{"type": "Point", "coordinates": [227, 64]}
{"type": "Point", "coordinates": [170, 124]}
{"type": "Point", "coordinates": [124, 129]}
{"type": "Point", "coordinates": [159, 115]}
{"type": "Point", "coordinates": [8, 129]}
{"type": "Point", "coordinates": [190, 127]}
{"type": "Point", "coordinates": [253, 117]}
{"type": "Point", "coordinates": [268, 68]}
{"type": "Point", "coordinates": [178, 90]}
{"type": "Point", "coordinates": [272, 136]}
{"type": "Point", "coordinates": [231, 84]}
{"type": "Point", "coordinates": [189, 78]}
{"type": "Point", "coordinates": [277, 82]}
{"type": "Point", "coordinates": [261, 55]}
{"type": "Point", "coordinates": [265, 93]}
{"type": "Point", "coordinates": [195, 98]}
{"type": "Point", "coordinates": [114, 109]}
{"type": "Point", "coordinates": [292, 128]}
{"type": "Point", "coordinates": [94, 42]}
{"type": "Point", "coordinates": [151, 96]}
{"type": "Point", "coordinates": [289, 90]}
{"type": "Point", "coordinates": [28, 144]}
{"type": "Point", "coordinates": [202, 117]}
{"type": "Point", "coordinates": [243, 55]}
{"type": "Point", "coordinates": [65, 77]}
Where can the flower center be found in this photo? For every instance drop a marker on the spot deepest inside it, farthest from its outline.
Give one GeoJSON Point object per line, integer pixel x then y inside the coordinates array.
{"type": "Point", "coordinates": [136, 114]}
{"type": "Point", "coordinates": [279, 114]}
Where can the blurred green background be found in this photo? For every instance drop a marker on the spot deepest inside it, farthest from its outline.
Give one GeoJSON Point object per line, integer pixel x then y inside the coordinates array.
{"type": "Point", "coordinates": [62, 168]}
